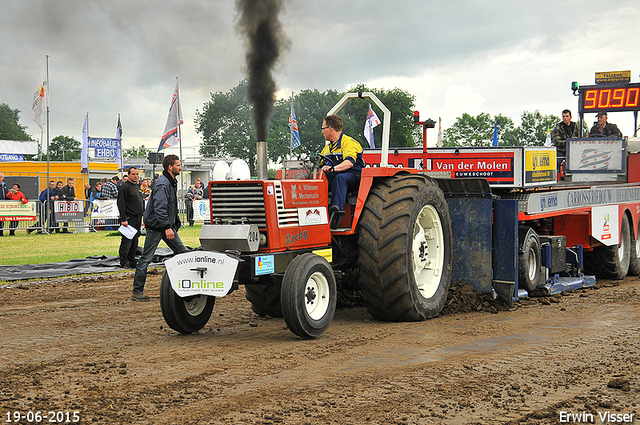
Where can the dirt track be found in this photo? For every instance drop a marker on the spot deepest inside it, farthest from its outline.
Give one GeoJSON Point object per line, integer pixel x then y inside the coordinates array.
{"type": "Point", "coordinates": [81, 345]}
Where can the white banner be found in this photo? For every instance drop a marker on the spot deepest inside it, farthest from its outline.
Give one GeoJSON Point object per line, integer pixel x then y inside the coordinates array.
{"type": "Point", "coordinates": [105, 209]}
{"type": "Point", "coordinates": [201, 210]}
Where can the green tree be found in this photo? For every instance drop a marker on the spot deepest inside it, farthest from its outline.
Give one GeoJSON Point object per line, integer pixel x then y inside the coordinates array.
{"type": "Point", "coordinates": [10, 129]}
{"type": "Point", "coordinates": [533, 129]}
{"type": "Point", "coordinates": [140, 152]}
{"type": "Point", "coordinates": [227, 129]}
{"type": "Point", "coordinates": [226, 126]}
{"type": "Point", "coordinates": [64, 148]}
{"type": "Point", "coordinates": [477, 131]}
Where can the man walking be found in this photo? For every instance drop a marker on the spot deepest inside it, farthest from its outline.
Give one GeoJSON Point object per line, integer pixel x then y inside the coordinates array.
{"type": "Point", "coordinates": [161, 221]}
{"type": "Point", "coordinates": [131, 207]}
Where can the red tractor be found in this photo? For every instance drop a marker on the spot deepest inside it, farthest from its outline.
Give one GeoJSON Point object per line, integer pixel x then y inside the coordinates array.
{"type": "Point", "coordinates": [273, 236]}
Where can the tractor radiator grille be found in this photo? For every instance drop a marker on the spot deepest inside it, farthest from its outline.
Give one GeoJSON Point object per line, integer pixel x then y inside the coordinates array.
{"type": "Point", "coordinates": [238, 203]}
{"type": "Point", "coordinates": [286, 217]}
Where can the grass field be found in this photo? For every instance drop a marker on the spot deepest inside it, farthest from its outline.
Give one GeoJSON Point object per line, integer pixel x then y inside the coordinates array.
{"type": "Point", "coordinates": [59, 247]}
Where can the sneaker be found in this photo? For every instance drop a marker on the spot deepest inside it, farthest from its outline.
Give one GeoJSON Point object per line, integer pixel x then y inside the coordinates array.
{"type": "Point", "coordinates": [139, 297]}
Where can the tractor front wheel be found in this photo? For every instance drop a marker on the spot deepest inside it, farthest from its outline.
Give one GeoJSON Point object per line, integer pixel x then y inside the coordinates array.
{"type": "Point", "coordinates": [308, 295]}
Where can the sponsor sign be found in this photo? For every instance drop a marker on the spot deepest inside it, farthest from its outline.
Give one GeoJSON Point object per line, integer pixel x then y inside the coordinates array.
{"type": "Point", "coordinates": [302, 193]}
{"type": "Point", "coordinates": [201, 210]}
{"type": "Point", "coordinates": [312, 216]}
{"type": "Point", "coordinates": [540, 166]}
{"type": "Point", "coordinates": [604, 224]}
{"type": "Point", "coordinates": [11, 157]}
{"type": "Point", "coordinates": [265, 264]}
{"type": "Point", "coordinates": [496, 167]}
{"type": "Point", "coordinates": [595, 155]}
{"type": "Point", "coordinates": [17, 211]}
{"type": "Point", "coordinates": [613, 77]}
{"type": "Point", "coordinates": [104, 209]}
{"type": "Point", "coordinates": [69, 211]}
{"type": "Point", "coordinates": [201, 273]}
{"type": "Point", "coordinates": [579, 198]}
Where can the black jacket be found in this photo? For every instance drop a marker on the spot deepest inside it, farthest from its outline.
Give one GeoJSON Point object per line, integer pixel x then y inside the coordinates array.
{"type": "Point", "coordinates": [162, 208]}
{"type": "Point", "coordinates": [130, 203]}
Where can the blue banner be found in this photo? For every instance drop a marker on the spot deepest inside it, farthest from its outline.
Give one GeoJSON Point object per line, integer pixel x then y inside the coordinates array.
{"type": "Point", "coordinates": [11, 157]}
{"type": "Point", "coordinates": [104, 148]}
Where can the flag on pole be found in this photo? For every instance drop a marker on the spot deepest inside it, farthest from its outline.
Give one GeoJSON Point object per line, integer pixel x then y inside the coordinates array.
{"type": "Point", "coordinates": [39, 104]}
{"type": "Point", "coordinates": [293, 125]}
{"type": "Point", "coordinates": [119, 137]}
{"type": "Point", "coordinates": [495, 134]}
{"type": "Point", "coordinates": [84, 156]}
{"type": "Point", "coordinates": [371, 122]}
{"type": "Point", "coordinates": [440, 132]}
{"type": "Point", "coordinates": [170, 134]}
{"type": "Point", "coordinates": [547, 142]}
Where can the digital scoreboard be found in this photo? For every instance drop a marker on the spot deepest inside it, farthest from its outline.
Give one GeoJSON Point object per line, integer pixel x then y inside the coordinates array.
{"type": "Point", "coordinates": [609, 98]}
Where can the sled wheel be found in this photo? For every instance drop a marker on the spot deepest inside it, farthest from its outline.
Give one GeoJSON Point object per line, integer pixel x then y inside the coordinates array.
{"type": "Point", "coordinates": [265, 297]}
{"type": "Point", "coordinates": [529, 264]}
{"type": "Point", "coordinates": [308, 295]}
{"type": "Point", "coordinates": [405, 249]}
{"type": "Point", "coordinates": [612, 262]}
{"type": "Point", "coordinates": [185, 315]}
{"type": "Point", "coordinates": [634, 255]}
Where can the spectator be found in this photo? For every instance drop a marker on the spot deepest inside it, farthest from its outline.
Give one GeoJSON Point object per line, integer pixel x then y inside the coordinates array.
{"type": "Point", "coordinates": [16, 195]}
{"type": "Point", "coordinates": [565, 129]}
{"type": "Point", "coordinates": [87, 195]}
{"type": "Point", "coordinates": [3, 196]}
{"type": "Point", "coordinates": [604, 129]}
{"type": "Point", "coordinates": [161, 221]}
{"type": "Point", "coordinates": [145, 188]}
{"type": "Point", "coordinates": [188, 202]}
{"type": "Point", "coordinates": [96, 193]}
{"type": "Point", "coordinates": [46, 199]}
{"type": "Point", "coordinates": [110, 188]}
{"type": "Point", "coordinates": [131, 207]}
{"type": "Point", "coordinates": [68, 194]}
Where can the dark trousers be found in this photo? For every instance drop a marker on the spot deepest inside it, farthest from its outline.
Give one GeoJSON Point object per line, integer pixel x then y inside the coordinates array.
{"type": "Point", "coordinates": [189, 205]}
{"type": "Point", "coordinates": [341, 183]}
{"type": "Point", "coordinates": [129, 247]}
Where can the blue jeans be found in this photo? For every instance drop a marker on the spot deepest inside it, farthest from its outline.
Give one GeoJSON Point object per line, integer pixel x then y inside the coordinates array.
{"type": "Point", "coordinates": [340, 183]}
{"type": "Point", "coordinates": [151, 242]}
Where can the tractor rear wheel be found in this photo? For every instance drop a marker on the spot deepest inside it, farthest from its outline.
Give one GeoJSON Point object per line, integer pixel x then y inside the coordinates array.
{"type": "Point", "coordinates": [405, 249]}
{"type": "Point", "coordinates": [265, 297]}
{"type": "Point", "coordinates": [185, 315]}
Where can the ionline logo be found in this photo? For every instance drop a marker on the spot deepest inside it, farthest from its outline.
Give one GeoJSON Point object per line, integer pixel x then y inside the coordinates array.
{"type": "Point", "coordinates": [202, 284]}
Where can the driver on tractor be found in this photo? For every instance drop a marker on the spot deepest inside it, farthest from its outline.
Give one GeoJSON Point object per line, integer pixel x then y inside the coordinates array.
{"type": "Point", "coordinates": [344, 172]}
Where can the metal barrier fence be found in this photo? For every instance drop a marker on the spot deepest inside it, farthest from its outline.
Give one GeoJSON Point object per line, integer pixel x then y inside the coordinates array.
{"type": "Point", "coordinates": [76, 217]}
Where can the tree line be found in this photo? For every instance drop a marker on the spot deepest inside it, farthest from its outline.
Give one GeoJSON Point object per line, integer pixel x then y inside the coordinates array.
{"type": "Point", "coordinates": [226, 128]}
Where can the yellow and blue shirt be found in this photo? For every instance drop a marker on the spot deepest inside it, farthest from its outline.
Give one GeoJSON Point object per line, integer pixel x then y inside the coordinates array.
{"type": "Point", "coordinates": [345, 148]}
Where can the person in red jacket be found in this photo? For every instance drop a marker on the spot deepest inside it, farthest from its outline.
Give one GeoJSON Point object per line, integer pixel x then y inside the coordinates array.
{"type": "Point", "coordinates": [16, 195]}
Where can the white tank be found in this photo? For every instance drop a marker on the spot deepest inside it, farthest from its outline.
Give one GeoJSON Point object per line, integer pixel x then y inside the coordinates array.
{"type": "Point", "coordinates": [220, 171]}
{"type": "Point", "coordinates": [240, 170]}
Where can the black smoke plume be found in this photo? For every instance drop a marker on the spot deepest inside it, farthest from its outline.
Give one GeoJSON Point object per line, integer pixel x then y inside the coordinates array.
{"type": "Point", "coordinates": [263, 32]}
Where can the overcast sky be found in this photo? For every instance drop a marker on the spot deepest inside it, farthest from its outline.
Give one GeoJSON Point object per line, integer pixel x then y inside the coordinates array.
{"type": "Point", "coordinates": [499, 57]}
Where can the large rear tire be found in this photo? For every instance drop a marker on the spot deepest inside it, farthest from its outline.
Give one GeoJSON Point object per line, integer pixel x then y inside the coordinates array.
{"type": "Point", "coordinates": [308, 295]}
{"type": "Point", "coordinates": [185, 315]}
{"type": "Point", "coordinates": [405, 249]}
{"type": "Point", "coordinates": [265, 297]}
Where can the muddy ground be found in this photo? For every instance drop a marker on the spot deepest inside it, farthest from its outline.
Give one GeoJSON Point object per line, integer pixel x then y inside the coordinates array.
{"type": "Point", "coordinates": [80, 344]}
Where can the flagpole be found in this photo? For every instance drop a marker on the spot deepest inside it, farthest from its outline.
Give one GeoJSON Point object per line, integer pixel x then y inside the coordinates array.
{"type": "Point", "coordinates": [291, 129]}
{"type": "Point", "coordinates": [47, 100]}
{"type": "Point", "coordinates": [180, 135]}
